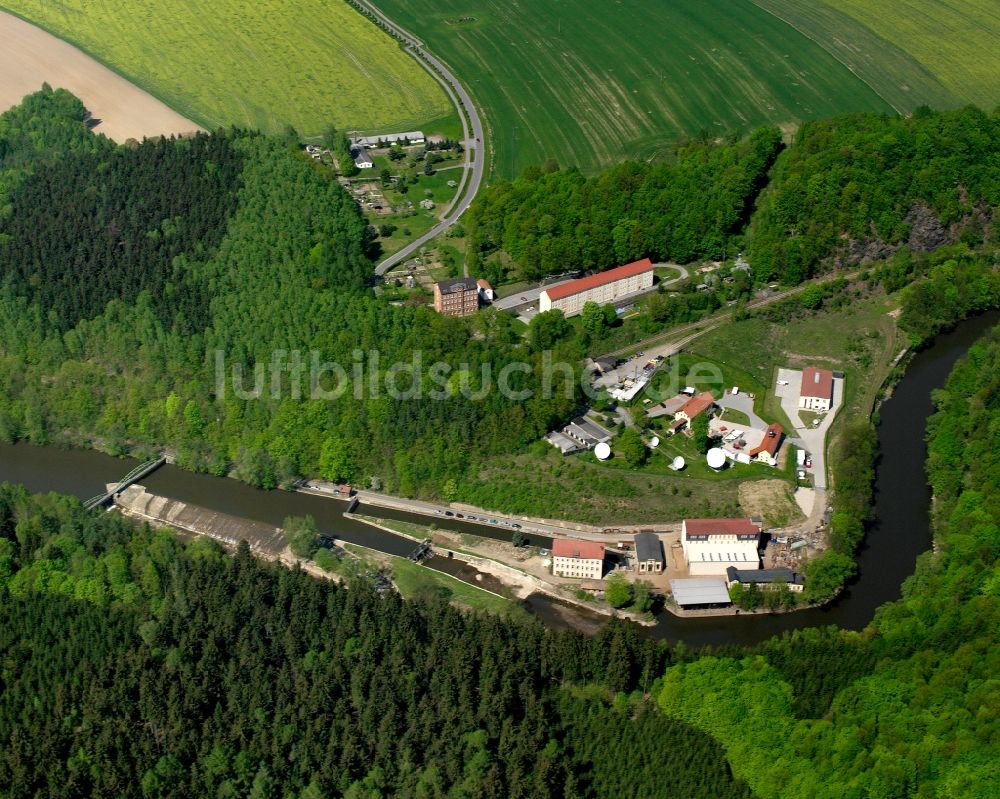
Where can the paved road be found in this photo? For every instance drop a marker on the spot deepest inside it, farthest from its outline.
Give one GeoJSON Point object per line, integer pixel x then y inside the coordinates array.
{"type": "Point", "coordinates": [811, 439]}
{"type": "Point", "coordinates": [475, 158]}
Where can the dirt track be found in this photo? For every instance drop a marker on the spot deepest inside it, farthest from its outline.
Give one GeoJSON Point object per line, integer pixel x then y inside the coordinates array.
{"type": "Point", "coordinates": [29, 57]}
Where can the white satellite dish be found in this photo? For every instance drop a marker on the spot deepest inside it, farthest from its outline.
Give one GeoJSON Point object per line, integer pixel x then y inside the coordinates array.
{"type": "Point", "coordinates": [602, 451]}
{"type": "Point", "coordinates": [716, 458]}
{"type": "Point", "coordinates": [677, 464]}
{"type": "Point", "coordinates": [654, 443]}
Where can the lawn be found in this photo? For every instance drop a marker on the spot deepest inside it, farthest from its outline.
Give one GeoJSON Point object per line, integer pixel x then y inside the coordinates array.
{"type": "Point", "coordinates": [261, 65]}
{"type": "Point", "coordinates": [589, 83]}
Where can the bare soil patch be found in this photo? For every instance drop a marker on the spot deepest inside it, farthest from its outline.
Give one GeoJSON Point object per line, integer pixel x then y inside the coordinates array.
{"type": "Point", "coordinates": [30, 57]}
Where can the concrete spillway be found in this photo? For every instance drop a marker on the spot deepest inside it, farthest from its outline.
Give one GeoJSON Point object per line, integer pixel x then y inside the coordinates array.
{"type": "Point", "coordinates": [137, 502]}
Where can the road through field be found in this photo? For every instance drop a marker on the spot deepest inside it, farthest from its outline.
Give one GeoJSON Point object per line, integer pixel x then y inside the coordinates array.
{"type": "Point", "coordinates": [30, 57]}
{"type": "Point", "coordinates": [475, 159]}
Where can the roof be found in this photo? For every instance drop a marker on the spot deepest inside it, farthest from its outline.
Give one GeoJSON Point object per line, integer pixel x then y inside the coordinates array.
{"type": "Point", "coordinates": [648, 547]}
{"type": "Point", "coordinates": [600, 279]}
{"type": "Point", "coordinates": [779, 574]}
{"type": "Point", "coordinates": [770, 443]}
{"type": "Point", "coordinates": [817, 383]}
{"type": "Point", "coordinates": [571, 548]}
{"type": "Point", "coordinates": [721, 527]}
{"type": "Point", "coordinates": [457, 285]}
{"type": "Point", "coordinates": [697, 404]}
{"type": "Point", "coordinates": [484, 284]}
{"type": "Point", "coordinates": [700, 591]}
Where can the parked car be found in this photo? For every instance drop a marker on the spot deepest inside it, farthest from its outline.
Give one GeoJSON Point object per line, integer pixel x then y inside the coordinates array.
{"type": "Point", "coordinates": [448, 513]}
{"type": "Point", "coordinates": [809, 463]}
{"type": "Point", "coordinates": [493, 521]}
{"type": "Point", "coordinates": [516, 526]}
{"type": "Point", "coordinates": [459, 516]}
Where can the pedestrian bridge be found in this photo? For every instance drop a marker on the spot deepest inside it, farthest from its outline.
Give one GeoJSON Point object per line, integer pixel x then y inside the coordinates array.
{"type": "Point", "coordinates": [137, 473]}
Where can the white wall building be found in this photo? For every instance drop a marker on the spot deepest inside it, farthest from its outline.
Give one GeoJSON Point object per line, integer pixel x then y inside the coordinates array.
{"type": "Point", "coordinates": [602, 288]}
{"type": "Point", "coordinates": [713, 545]}
{"type": "Point", "coordinates": [816, 393]}
{"type": "Point", "coordinates": [583, 559]}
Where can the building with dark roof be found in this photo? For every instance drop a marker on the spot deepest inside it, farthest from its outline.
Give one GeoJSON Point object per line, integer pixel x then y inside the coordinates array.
{"type": "Point", "coordinates": [459, 297]}
{"type": "Point", "coordinates": [648, 553]}
{"type": "Point", "coordinates": [602, 288]}
{"type": "Point", "coordinates": [816, 392]}
{"type": "Point", "coordinates": [765, 578]}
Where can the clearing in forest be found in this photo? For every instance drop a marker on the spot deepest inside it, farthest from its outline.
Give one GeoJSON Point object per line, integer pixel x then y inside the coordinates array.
{"type": "Point", "coordinates": [262, 65]}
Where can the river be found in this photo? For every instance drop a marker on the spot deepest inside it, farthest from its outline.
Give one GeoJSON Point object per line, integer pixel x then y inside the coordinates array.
{"type": "Point", "coordinates": [899, 532]}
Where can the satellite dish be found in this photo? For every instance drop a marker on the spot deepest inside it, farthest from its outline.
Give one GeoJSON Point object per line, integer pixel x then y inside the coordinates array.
{"type": "Point", "coordinates": [654, 443]}
{"type": "Point", "coordinates": [602, 451]}
{"type": "Point", "coordinates": [716, 458]}
{"type": "Point", "coordinates": [678, 464]}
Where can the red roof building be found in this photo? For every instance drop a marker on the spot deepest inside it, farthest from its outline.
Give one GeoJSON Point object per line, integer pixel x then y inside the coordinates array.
{"type": "Point", "coordinates": [769, 446]}
{"type": "Point", "coordinates": [699, 403]}
{"type": "Point", "coordinates": [816, 393]}
{"type": "Point", "coordinates": [602, 288]}
{"type": "Point", "coordinates": [739, 527]}
{"type": "Point", "coordinates": [582, 559]}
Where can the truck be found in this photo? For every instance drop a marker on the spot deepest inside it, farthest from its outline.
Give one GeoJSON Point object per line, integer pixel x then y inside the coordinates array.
{"type": "Point", "coordinates": [800, 458]}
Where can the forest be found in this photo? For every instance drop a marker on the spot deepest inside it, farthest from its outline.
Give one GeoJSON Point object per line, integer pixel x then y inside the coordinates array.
{"type": "Point", "coordinates": [550, 220]}
{"type": "Point", "coordinates": [907, 707]}
{"type": "Point", "coordinates": [126, 271]}
{"type": "Point", "coordinates": [844, 190]}
{"type": "Point", "coordinates": [133, 664]}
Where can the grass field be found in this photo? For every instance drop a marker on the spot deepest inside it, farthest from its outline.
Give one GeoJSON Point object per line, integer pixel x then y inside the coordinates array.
{"type": "Point", "coordinates": [589, 82]}
{"type": "Point", "coordinates": [261, 65]}
{"type": "Point", "coordinates": [895, 74]}
{"type": "Point", "coordinates": [957, 41]}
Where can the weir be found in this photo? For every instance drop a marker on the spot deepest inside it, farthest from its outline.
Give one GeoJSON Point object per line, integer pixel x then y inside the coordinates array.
{"type": "Point", "coordinates": [137, 473]}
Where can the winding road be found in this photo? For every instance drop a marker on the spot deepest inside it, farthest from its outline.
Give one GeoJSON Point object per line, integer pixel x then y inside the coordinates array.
{"type": "Point", "coordinates": [475, 161]}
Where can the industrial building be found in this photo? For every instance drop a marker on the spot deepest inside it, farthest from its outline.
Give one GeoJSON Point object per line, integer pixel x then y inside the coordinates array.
{"type": "Point", "coordinates": [386, 139]}
{"type": "Point", "coordinates": [456, 297]}
{"type": "Point", "coordinates": [711, 546]}
{"type": "Point", "coordinates": [700, 592]}
{"type": "Point", "coordinates": [583, 559]}
{"type": "Point", "coordinates": [648, 553]}
{"type": "Point", "coordinates": [816, 392]}
{"type": "Point", "coordinates": [602, 288]}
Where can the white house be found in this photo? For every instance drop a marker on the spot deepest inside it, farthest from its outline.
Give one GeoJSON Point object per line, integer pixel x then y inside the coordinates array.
{"type": "Point", "coordinates": [583, 559]}
{"type": "Point", "coordinates": [713, 545]}
{"type": "Point", "coordinates": [816, 393]}
{"type": "Point", "coordinates": [602, 288]}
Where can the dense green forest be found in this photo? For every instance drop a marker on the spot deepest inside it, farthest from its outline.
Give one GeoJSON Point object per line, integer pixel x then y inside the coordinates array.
{"type": "Point", "coordinates": [551, 220]}
{"type": "Point", "coordinates": [135, 665]}
{"type": "Point", "coordinates": [908, 706]}
{"type": "Point", "coordinates": [847, 189]}
{"type": "Point", "coordinates": [126, 271]}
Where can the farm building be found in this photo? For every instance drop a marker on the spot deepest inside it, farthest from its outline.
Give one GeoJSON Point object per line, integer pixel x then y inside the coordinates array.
{"type": "Point", "coordinates": [584, 559]}
{"type": "Point", "coordinates": [816, 393]}
{"type": "Point", "coordinates": [713, 545]}
{"type": "Point", "coordinates": [456, 297]}
{"type": "Point", "coordinates": [765, 578]}
{"type": "Point", "coordinates": [602, 288]}
{"type": "Point", "coordinates": [648, 553]}
{"type": "Point", "coordinates": [767, 450]}
{"type": "Point", "coordinates": [384, 140]}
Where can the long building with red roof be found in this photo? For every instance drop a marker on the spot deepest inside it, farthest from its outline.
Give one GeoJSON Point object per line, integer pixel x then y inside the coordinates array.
{"type": "Point", "coordinates": [602, 288]}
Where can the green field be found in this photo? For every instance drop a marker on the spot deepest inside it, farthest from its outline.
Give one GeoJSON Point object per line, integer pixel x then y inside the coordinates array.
{"type": "Point", "coordinates": [957, 41]}
{"type": "Point", "coordinates": [589, 83]}
{"type": "Point", "coordinates": [261, 65]}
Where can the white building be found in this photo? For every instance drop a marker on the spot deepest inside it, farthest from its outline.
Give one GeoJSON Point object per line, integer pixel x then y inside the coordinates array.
{"type": "Point", "coordinates": [412, 136]}
{"type": "Point", "coordinates": [583, 559]}
{"type": "Point", "coordinates": [816, 393]}
{"type": "Point", "coordinates": [713, 545]}
{"type": "Point", "coordinates": [602, 288]}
